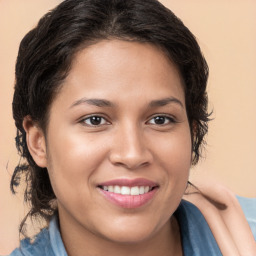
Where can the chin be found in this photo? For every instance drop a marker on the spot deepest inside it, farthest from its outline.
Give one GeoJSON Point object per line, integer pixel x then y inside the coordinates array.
{"type": "Point", "coordinates": [131, 232]}
{"type": "Point", "coordinates": [129, 237]}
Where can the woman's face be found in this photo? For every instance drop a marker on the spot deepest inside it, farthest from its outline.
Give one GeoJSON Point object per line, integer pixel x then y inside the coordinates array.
{"type": "Point", "coordinates": [118, 142]}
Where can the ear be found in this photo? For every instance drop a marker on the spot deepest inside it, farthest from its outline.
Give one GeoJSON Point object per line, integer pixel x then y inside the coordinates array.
{"type": "Point", "coordinates": [35, 141]}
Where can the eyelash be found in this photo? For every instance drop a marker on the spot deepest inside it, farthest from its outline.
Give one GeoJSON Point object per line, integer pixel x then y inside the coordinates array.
{"type": "Point", "coordinates": [83, 121]}
{"type": "Point", "coordinates": [169, 119]}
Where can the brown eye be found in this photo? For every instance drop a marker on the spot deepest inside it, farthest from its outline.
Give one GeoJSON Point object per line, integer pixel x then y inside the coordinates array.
{"type": "Point", "coordinates": [161, 120]}
{"type": "Point", "coordinates": [94, 121]}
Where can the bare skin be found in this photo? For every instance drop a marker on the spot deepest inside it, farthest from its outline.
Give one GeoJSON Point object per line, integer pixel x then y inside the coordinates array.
{"type": "Point", "coordinates": [120, 114]}
{"type": "Point", "coordinates": [225, 217]}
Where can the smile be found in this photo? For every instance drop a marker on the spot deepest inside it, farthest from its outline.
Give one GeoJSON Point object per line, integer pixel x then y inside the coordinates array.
{"type": "Point", "coordinates": [124, 190]}
{"type": "Point", "coordinates": [129, 193]}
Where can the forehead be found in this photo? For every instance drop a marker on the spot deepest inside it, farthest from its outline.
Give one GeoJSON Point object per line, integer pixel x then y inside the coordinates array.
{"type": "Point", "coordinates": [115, 68]}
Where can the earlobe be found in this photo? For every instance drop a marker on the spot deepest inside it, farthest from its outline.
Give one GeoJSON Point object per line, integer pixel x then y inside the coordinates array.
{"type": "Point", "coordinates": [35, 141]}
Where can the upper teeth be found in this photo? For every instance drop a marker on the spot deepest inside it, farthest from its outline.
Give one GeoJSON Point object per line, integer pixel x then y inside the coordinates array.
{"type": "Point", "coordinates": [124, 190]}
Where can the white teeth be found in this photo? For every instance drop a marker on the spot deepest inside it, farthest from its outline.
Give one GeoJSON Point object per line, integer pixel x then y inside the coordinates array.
{"type": "Point", "coordinates": [117, 189]}
{"type": "Point", "coordinates": [142, 190]}
{"type": "Point", "coordinates": [124, 190]}
{"type": "Point", "coordinates": [135, 191]}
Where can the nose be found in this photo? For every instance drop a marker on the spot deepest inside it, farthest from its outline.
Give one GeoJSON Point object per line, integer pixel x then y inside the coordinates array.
{"type": "Point", "coordinates": [129, 149]}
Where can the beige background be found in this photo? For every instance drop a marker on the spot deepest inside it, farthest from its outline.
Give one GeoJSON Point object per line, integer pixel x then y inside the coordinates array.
{"type": "Point", "coordinates": [226, 31]}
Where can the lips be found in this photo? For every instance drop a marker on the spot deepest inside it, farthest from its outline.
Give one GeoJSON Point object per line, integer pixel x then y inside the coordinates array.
{"type": "Point", "coordinates": [129, 193]}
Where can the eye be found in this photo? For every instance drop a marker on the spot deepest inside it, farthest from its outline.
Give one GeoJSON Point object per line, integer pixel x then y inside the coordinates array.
{"type": "Point", "coordinates": [161, 120]}
{"type": "Point", "coordinates": [94, 121]}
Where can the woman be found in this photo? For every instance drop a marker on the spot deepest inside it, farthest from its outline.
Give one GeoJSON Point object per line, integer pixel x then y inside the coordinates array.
{"type": "Point", "coordinates": [110, 105]}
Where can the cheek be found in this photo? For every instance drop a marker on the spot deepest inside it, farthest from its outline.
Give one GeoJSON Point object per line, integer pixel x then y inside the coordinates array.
{"type": "Point", "coordinates": [174, 150]}
{"type": "Point", "coordinates": [72, 161]}
{"type": "Point", "coordinates": [74, 152]}
{"type": "Point", "coordinates": [174, 155]}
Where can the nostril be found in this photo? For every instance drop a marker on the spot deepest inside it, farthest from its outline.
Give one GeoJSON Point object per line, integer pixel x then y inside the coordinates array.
{"type": "Point", "coordinates": [129, 162]}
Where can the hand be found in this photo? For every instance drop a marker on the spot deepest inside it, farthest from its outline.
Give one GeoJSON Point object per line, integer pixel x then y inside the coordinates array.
{"type": "Point", "coordinates": [225, 218]}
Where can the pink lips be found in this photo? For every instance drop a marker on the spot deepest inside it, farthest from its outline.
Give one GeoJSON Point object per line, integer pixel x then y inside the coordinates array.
{"type": "Point", "coordinates": [129, 201]}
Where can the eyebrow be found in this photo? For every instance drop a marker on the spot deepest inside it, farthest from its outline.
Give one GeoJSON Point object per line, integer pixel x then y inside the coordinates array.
{"type": "Point", "coordinates": [106, 103]}
{"type": "Point", "coordinates": [165, 101]}
{"type": "Point", "coordinates": [94, 102]}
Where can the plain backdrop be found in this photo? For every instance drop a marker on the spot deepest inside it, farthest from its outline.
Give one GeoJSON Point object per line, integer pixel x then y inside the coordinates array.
{"type": "Point", "coordinates": [226, 32]}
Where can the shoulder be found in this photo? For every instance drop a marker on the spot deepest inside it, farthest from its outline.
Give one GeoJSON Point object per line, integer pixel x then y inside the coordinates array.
{"type": "Point", "coordinates": [40, 246]}
{"type": "Point", "coordinates": [47, 242]}
{"type": "Point", "coordinates": [197, 237]}
{"type": "Point", "coordinates": [230, 218]}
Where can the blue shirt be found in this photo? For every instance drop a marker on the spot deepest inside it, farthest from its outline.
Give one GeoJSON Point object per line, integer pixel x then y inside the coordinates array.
{"type": "Point", "coordinates": [197, 238]}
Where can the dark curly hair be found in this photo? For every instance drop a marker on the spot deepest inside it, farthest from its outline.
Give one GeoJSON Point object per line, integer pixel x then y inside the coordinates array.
{"type": "Point", "coordinates": [45, 58]}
